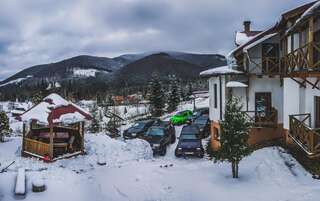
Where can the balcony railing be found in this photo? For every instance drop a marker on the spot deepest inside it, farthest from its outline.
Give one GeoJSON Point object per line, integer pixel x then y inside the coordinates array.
{"type": "Point", "coordinates": [265, 65]}
{"type": "Point", "coordinates": [263, 119]}
{"type": "Point", "coordinates": [303, 59]}
{"type": "Point", "coordinates": [303, 135]}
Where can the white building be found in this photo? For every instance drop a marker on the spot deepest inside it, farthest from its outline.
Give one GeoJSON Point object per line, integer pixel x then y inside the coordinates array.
{"type": "Point", "coordinates": [276, 76]}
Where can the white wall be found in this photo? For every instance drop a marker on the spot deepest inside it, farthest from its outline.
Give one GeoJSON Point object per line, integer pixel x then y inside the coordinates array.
{"type": "Point", "coordinates": [299, 100]}
{"type": "Point", "coordinates": [267, 84]}
{"type": "Point", "coordinates": [309, 100]}
{"type": "Point", "coordinates": [240, 92]}
{"type": "Point", "coordinates": [215, 112]}
{"type": "Point", "coordinates": [291, 101]}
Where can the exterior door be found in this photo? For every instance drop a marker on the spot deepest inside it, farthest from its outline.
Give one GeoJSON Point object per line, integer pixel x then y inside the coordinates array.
{"type": "Point", "coordinates": [263, 104]}
{"type": "Point", "coordinates": [317, 111]}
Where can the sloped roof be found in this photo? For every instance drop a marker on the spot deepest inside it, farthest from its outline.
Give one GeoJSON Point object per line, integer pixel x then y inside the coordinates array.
{"type": "Point", "coordinates": [243, 36]}
{"type": "Point", "coordinates": [303, 10]}
{"type": "Point", "coordinates": [224, 70]}
{"type": "Point", "coordinates": [55, 109]}
{"type": "Point", "coordinates": [256, 42]}
{"type": "Point", "coordinates": [312, 10]}
{"type": "Point", "coordinates": [236, 84]}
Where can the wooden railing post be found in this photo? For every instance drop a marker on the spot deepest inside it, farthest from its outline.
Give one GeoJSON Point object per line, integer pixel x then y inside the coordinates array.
{"type": "Point", "coordinates": [310, 41]}
{"type": "Point", "coordinates": [51, 142]}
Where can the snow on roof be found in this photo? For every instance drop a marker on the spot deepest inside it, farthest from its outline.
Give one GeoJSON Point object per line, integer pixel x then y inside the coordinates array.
{"type": "Point", "coordinates": [235, 84]}
{"type": "Point", "coordinates": [256, 37]}
{"type": "Point", "coordinates": [56, 99]}
{"type": "Point", "coordinates": [255, 43]}
{"type": "Point", "coordinates": [57, 109]}
{"type": "Point", "coordinates": [242, 37]}
{"type": "Point", "coordinates": [70, 118]}
{"type": "Point", "coordinates": [219, 71]}
{"type": "Point", "coordinates": [39, 112]}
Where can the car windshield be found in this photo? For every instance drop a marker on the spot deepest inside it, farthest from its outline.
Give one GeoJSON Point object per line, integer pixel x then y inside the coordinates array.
{"type": "Point", "coordinates": [182, 113]}
{"type": "Point", "coordinates": [201, 121]}
{"type": "Point", "coordinates": [190, 129]}
{"type": "Point", "coordinates": [155, 132]}
{"type": "Point", "coordinates": [139, 125]}
{"type": "Point", "coordinates": [188, 137]}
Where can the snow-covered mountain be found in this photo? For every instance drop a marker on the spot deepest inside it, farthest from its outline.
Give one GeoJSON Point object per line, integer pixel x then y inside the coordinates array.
{"type": "Point", "coordinates": [89, 74]}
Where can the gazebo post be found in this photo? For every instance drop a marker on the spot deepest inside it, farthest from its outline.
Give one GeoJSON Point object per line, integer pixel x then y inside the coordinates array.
{"type": "Point", "coordinates": [23, 136]}
{"type": "Point", "coordinates": [81, 128]}
{"type": "Point", "coordinates": [51, 141]}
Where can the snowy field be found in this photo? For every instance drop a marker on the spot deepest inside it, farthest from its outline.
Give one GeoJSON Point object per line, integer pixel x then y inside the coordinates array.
{"type": "Point", "coordinates": [132, 173]}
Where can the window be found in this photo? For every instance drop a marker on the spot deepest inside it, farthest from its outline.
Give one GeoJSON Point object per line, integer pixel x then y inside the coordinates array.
{"type": "Point", "coordinates": [215, 96]}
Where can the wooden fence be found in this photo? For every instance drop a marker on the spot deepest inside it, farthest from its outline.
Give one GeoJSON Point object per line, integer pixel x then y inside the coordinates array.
{"type": "Point", "coordinates": [36, 147]}
{"type": "Point", "coordinates": [263, 119]}
{"type": "Point", "coordinates": [303, 135]}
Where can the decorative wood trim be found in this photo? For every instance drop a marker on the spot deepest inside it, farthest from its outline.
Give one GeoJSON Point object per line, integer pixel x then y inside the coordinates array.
{"type": "Point", "coordinates": [301, 84]}
{"type": "Point", "coordinates": [315, 84]}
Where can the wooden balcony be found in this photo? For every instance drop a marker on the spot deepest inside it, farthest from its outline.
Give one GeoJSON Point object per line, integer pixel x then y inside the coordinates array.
{"type": "Point", "coordinates": [305, 59]}
{"type": "Point", "coordinates": [303, 135]}
{"type": "Point", "coordinates": [265, 66]}
{"type": "Point", "coordinates": [263, 119]}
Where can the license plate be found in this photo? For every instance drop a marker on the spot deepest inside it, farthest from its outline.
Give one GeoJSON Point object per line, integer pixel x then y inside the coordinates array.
{"type": "Point", "coordinates": [188, 153]}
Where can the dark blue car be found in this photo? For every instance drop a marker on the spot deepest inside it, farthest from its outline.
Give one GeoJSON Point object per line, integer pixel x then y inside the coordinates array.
{"type": "Point", "coordinates": [190, 142]}
{"type": "Point", "coordinates": [138, 130]}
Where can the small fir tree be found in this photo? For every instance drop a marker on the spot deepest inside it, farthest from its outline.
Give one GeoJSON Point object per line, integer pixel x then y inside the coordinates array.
{"type": "Point", "coordinates": [173, 96]}
{"type": "Point", "coordinates": [157, 98]}
{"type": "Point", "coordinates": [37, 98]}
{"type": "Point", "coordinates": [4, 125]}
{"type": "Point", "coordinates": [190, 91]}
{"type": "Point", "coordinates": [95, 126]}
{"type": "Point", "coordinates": [234, 136]}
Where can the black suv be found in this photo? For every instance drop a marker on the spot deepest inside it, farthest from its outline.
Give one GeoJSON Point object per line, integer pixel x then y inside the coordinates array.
{"type": "Point", "coordinates": [190, 142]}
{"type": "Point", "coordinates": [203, 124]}
{"type": "Point", "coordinates": [159, 137]}
{"type": "Point", "coordinates": [138, 129]}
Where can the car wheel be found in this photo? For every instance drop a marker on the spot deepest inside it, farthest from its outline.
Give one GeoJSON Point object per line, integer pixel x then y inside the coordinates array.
{"type": "Point", "coordinates": [177, 155]}
{"type": "Point", "coordinates": [163, 151]}
{"type": "Point", "coordinates": [201, 155]}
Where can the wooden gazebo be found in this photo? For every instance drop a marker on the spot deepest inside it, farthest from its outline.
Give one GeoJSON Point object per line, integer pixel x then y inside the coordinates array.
{"type": "Point", "coordinates": [53, 129]}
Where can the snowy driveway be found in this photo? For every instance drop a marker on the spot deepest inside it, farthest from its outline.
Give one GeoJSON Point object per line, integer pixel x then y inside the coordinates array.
{"type": "Point", "coordinates": [133, 174]}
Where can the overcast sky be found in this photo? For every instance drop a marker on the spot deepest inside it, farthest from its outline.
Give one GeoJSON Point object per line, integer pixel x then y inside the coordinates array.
{"type": "Point", "coordinates": [44, 31]}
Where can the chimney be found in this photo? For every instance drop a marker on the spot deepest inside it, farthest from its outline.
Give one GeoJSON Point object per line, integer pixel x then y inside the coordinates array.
{"type": "Point", "coordinates": [246, 25]}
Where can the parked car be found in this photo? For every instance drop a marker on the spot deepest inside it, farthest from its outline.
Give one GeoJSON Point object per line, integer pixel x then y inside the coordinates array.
{"type": "Point", "coordinates": [203, 124]}
{"type": "Point", "coordinates": [189, 142]}
{"type": "Point", "coordinates": [198, 112]}
{"type": "Point", "coordinates": [159, 137]}
{"type": "Point", "coordinates": [138, 130]}
{"type": "Point", "coordinates": [169, 128]}
{"type": "Point", "coordinates": [181, 117]}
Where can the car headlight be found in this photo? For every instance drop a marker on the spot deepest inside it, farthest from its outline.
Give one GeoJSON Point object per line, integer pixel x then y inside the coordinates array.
{"type": "Point", "coordinates": [201, 129]}
{"type": "Point", "coordinates": [198, 149]}
{"type": "Point", "coordinates": [179, 149]}
{"type": "Point", "coordinates": [133, 134]}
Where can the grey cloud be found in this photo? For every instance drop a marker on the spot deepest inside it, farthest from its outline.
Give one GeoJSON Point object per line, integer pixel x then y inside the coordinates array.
{"type": "Point", "coordinates": [34, 32]}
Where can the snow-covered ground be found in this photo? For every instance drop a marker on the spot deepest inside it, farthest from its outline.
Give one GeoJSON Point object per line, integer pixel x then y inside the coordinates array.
{"type": "Point", "coordinates": [132, 173]}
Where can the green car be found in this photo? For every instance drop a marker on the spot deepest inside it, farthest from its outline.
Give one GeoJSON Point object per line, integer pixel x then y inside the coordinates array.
{"type": "Point", "coordinates": [181, 117]}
